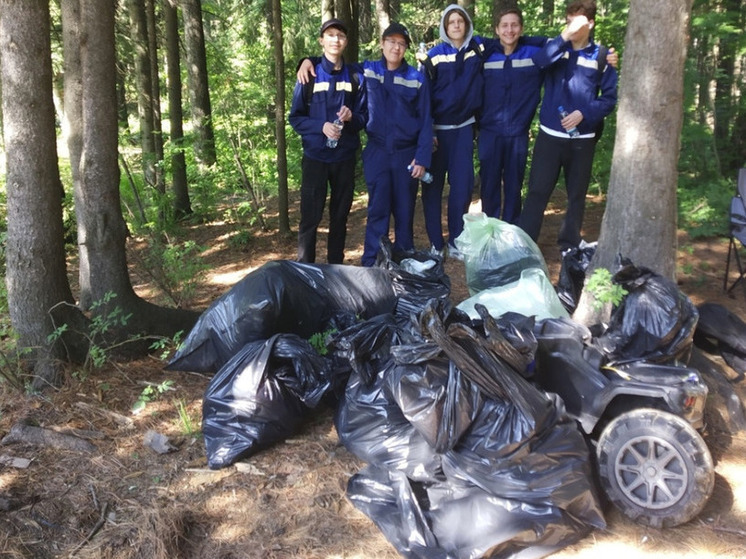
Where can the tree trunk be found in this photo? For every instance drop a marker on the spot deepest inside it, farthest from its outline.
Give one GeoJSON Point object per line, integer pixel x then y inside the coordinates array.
{"type": "Point", "coordinates": [73, 88]}
{"type": "Point", "coordinates": [365, 24]}
{"type": "Point", "coordinates": [344, 10]}
{"type": "Point", "coordinates": [143, 78]}
{"type": "Point", "coordinates": [182, 204]}
{"type": "Point", "coordinates": [640, 218]}
{"type": "Point", "coordinates": [199, 92]}
{"type": "Point", "coordinates": [282, 162]}
{"type": "Point", "coordinates": [327, 10]}
{"type": "Point", "coordinates": [36, 273]}
{"type": "Point", "coordinates": [103, 261]}
{"type": "Point", "coordinates": [384, 16]}
{"type": "Point", "coordinates": [160, 183]}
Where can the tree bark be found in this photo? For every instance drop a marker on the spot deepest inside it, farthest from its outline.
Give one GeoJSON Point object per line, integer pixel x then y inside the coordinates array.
{"type": "Point", "coordinates": [199, 91]}
{"type": "Point", "coordinates": [179, 185]}
{"type": "Point", "coordinates": [36, 272]}
{"type": "Point", "coordinates": [327, 10]}
{"type": "Point", "coordinates": [103, 261]}
{"type": "Point", "coordinates": [640, 220]}
{"type": "Point", "coordinates": [282, 162]}
{"type": "Point", "coordinates": [150, 18]}
{"type": "Point", "coordinates": [143, 79]}
{"type": "Point", "coordinates": [383, 14]}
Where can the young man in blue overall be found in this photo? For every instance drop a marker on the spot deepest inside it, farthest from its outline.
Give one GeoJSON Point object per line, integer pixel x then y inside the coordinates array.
{"type": "Point", "coordinates": [399, 146]}
{"type": "Point", "coordinates": [454, 71]}
{"type": "Point", "coordinates": [337, 94]}
{"type": "Point", "coordinates": [512, 91]}
{"type": "Point", "coordinates": [573, 80]}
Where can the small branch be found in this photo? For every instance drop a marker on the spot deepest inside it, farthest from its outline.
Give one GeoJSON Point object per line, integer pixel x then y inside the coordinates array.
{"type": "Point", "coordinates": [94, 530]}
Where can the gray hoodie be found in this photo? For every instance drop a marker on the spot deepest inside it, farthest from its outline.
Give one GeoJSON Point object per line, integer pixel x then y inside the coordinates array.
{"type": "Point", "coordinates": [444, 36]}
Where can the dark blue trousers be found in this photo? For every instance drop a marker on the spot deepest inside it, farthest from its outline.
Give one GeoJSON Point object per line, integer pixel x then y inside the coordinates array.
{"type": "Point", "coordinates": [502, 168]}
{"type": "Point", "coordinates": [391, 192]}
{"type": "Point", "coordinates": [552, 154]}
{"type": "Point", "coordinates": [454, 156]}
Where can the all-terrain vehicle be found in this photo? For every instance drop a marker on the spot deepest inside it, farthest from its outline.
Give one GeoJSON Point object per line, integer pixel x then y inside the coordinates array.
{"type": "Point", "coordinates": [642, 417]}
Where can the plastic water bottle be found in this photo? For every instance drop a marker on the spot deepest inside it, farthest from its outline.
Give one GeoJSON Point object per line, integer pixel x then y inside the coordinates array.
{"type": "Point", "coordinates": [331, 142]}
{"type": "Point", "coordinates": [572, 132]}
{"type": "Point", "coordinates": [421, 53]}
{"type": "Point", "coordinates": [427, 177]}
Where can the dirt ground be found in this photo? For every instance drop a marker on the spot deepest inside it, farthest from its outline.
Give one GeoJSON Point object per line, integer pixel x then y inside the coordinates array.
{"type": "Point", "coordinates": [118, 498]}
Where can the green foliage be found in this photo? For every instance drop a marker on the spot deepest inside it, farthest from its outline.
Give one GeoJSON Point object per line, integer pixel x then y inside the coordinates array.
{"type": "Point", "coordinates": [151, 393]}
{"type": "Point", "coordinates": [603, 289]}
{"type": "Point", "coordinates": [319, 340]}
{"type": "Point", "coordinates": [185, 419]}
{"type": "Point", "coordinates": [105, 320]}
{"type": "Point", "coordinates": [166, 345]}
{"type": "Point", "coordinates": [176, 268]}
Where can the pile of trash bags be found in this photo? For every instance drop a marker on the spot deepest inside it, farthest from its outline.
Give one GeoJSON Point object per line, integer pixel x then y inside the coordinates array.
{"type": "Point", "coordinates": [465, 456]}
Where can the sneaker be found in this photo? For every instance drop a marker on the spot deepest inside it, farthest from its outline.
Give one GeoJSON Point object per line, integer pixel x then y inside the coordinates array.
{"type": "Point", "coordinates": [455, 253]}
{"type": "Point", "coordinates": [435, 252]}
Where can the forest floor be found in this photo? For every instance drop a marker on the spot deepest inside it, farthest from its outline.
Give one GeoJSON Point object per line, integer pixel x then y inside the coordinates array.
{"type": "Point", "coordinates": [119, 498]}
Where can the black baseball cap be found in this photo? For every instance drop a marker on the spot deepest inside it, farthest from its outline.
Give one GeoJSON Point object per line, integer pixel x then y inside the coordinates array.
{"type": "Point", "coordinates": [333, 23]}
{"type": "Point", "coordinates": [397, 29]}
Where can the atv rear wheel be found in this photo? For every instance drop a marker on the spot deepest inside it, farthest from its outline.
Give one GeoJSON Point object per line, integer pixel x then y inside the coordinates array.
{"type": "Point", "coordinates": [655, 467]}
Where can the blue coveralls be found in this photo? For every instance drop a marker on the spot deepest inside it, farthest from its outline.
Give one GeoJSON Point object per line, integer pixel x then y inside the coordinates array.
{"type": "Point", "coordinates": [321, 164]}
{"type": "Point", "coordinates": [573, 80]}
{"type": "Point", "coordinates": [399, 130]}
{"type": "Point", "coordinates": [512, 88]}
{"type": "Point", "coordinates": [456, 92]}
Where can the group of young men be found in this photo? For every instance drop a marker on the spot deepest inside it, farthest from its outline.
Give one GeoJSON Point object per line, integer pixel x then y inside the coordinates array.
{"type": "Point", "coordinates": [424, 119]}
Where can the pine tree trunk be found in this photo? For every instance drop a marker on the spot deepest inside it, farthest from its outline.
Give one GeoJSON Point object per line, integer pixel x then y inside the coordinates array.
{"type": "Point", "coordinates": [640, 220]}
{"type": "Point", "coordinates": [143, 78]}
{"type": "Point", "coordinates": [103, 261]}
{"type": "Point", "coordinates": [282, 162]}
{"type": "Point", "coordinates": [36, 273]}
{"type": "Point", "coordinates": [199, 92]}
{"type": "Point", "coordinates": [179, 187]}
{"type": "Point", "coordinates": [150, 16]}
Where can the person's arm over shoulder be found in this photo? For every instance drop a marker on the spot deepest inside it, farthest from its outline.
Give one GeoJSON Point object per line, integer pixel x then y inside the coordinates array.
{"type": "Point", "coordinates": [306, 68]}
{"type": "Point", "coordinates": [552, 51]}
{"type": "Point", "coordinates": [533, 40]}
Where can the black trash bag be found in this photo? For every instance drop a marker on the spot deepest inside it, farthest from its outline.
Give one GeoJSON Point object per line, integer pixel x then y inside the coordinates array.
{"type": "Point", "coordinates": [574, 265]}
{"type": "Point", "coordinates": [418, 276]}
{"type": "Point", "coordinates": [443, 521]}
{"type": "Point", "coordinates": [518, 481]}
{"type": "Point", "coordinates": [261, 396]}
{"type": "Point", "coordinates": [365, 345]}
{"type": "Point", "coordinates": [373, 427]}
{"type": "Point", "coordinates": [654, 322]}
{"type": "Point", "coordinates": [282, 297]}
{"type": "Point", "coordinates": [721, 331]}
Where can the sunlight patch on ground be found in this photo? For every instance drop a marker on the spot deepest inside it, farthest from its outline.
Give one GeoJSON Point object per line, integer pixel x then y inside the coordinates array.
{"type": "Point", "coordinates": [636, 550]}
{"type": "Point", "coordinates": [228, 278]}
{"type": "Point", "coordinates": [7, 481]}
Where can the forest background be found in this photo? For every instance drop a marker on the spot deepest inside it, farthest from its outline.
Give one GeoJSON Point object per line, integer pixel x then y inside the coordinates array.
{"type": "Point", "coordinates": [203, 165]}
{"type": "Point", "coordinates": [202, 93]}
